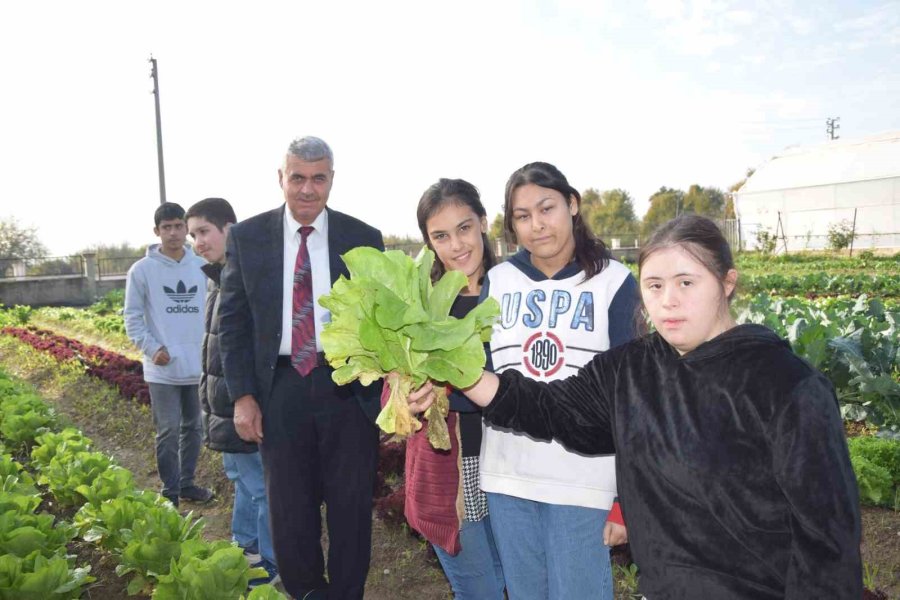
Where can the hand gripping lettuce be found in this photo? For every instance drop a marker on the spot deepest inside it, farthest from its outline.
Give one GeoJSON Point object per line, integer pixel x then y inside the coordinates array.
{"type": "Point", "coordinates": [389, 318]}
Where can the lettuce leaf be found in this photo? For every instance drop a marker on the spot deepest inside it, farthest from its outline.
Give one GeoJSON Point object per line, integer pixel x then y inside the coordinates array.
{"type": "Point", "coordinates": [390, 318]}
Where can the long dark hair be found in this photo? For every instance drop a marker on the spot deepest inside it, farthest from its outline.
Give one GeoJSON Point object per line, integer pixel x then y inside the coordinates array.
{"type": "Point", "coordinates": [439, 195]}
{"type": "Point", "coordinates": [590, 251]}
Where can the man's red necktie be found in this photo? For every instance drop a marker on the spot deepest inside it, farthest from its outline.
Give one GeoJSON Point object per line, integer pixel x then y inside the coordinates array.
{"type": "Point", "coordinates": [303, 323]}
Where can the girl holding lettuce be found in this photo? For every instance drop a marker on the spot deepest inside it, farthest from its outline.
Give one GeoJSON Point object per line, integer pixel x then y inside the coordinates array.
{"type": "Point", "coordinates": [563, 299]}
{"type": "Point", "coordinates": [443, 500]}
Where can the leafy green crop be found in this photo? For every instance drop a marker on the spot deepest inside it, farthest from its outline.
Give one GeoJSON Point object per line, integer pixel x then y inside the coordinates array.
{"type": "Point", "coordinates": [24, 533]}
{"type": "Point", "coordinates": [37, 577]}
{"type": "Point", "coordinates": [110, 523]}
{"type": "Point", "coordinates": [876, 462]}
{"type": "Point", "coordinates": [67, 474]}
{"type": "Point", "coordinates": [207, 570]}
{"type": "Point", "coordinates": [854, 342]}
{"type": "Point", "coordinates": [48, 445]}
{"type": "Point", "coordinates": [390, 318]}
{"type": "Point", "coordinates": [874, 481]}
{"type": "Point", "coordinates": [24, 416]}
{"type": "Point", "coordinates": [13, 477]}
{"type": "Point", "coordinates": [156, 538]}
{"type": "Point", "coordinates": [265, 592]}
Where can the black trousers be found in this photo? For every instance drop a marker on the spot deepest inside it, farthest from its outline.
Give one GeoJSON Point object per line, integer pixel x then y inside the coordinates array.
{"type": "Point", "coordinates": [318, 446]}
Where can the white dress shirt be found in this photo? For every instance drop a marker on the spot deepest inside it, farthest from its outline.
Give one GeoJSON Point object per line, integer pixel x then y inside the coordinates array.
{"type": "Point", "coordinates": [317, 245]}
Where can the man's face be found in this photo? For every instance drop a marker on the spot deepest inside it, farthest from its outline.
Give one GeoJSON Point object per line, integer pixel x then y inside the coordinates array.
{"type": "Point", "coordinates": [172, 234]}
{"type": "Point", "coordinates": [306, 186]}
{"type": "Point", "coordinates": [209, 241]}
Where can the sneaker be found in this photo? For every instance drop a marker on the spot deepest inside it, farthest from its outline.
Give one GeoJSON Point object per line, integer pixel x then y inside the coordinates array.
{"type": "Point", "coordinates": [252, 556]}
{"type": "Point", "coordinates": [198, 494]}
{"type": "Point", "coordinates": [272, 578]}
{"type": "Point", "coordinates": [171, 498]}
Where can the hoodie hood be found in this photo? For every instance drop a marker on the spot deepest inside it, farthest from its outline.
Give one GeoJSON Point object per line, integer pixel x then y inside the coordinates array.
{"type": "Point", "coordinates": [741, 338]}
{"type": "Point", "coordinates": [522, 260]}
{"type": "Point", "coordinates": [154, 252]}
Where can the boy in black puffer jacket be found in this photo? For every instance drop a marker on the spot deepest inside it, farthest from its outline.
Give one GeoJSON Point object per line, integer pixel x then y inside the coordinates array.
{"type": "Point", "coordinates": [208, 222]}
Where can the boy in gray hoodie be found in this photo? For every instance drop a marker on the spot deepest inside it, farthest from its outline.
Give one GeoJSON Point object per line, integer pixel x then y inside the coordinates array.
{"type": "Point", "coordinates": [165, 295]}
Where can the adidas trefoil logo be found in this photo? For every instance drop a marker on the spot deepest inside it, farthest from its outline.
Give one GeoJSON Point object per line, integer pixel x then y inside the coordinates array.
{"type": "Point", "coordinates": [181, 295]}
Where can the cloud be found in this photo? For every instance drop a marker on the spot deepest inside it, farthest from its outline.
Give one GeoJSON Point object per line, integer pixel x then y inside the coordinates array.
{"type": "Point", "coordinates": [701, 30]}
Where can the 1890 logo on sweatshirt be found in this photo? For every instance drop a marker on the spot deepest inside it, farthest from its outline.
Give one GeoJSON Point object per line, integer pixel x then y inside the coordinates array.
{"type": "Point", "coordinates": [543, 354]}
{"type": "Point", "coordinates": [181, 295]}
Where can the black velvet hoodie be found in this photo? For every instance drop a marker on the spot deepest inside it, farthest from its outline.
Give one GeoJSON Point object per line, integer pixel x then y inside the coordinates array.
{"type": "Point", "coordinates": [733, 470]}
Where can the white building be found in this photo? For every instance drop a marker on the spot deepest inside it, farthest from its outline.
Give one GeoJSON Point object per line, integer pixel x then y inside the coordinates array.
{"type": "Point", "coordinates": [813, 188]}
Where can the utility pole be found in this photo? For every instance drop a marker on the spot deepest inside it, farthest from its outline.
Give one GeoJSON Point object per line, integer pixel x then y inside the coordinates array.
{"type": "Point", "coordinates": [154, 74]}
{"type": "Point", "coordinates": [831, 125]}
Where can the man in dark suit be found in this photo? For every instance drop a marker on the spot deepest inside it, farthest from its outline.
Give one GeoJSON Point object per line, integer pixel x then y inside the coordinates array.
{"type": "Point", "coordinates": [318, 440]}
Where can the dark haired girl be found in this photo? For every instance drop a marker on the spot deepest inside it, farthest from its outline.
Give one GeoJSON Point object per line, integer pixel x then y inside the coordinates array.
{"type": "Point", "coordinates": [439, 483]}
{"type": "Point", "coordinates": [563, 299]}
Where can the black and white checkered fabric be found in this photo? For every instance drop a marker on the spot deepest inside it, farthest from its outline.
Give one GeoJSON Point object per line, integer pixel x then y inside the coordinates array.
{"type": "Point", "coordinates": [474, 499]}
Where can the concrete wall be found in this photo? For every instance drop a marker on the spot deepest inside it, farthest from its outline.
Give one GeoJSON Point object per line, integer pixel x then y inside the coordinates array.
{"type": "Point", "coordinates": [64, 290]}
{"type": "Point", "coordinates": [60, 290]}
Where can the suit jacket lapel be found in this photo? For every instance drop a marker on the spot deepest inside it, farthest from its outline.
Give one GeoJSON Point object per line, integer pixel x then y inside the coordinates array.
{"type": "Point", "coordinates": [338, 244]}
{"type": "Point", "coordinates": [272, 269]}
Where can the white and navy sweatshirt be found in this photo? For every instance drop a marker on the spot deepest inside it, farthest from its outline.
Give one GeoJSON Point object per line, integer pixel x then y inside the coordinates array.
{"type": "Point", "coordinates": [164, 304]}
{"type": "Point", "coordinates": [549, 327]}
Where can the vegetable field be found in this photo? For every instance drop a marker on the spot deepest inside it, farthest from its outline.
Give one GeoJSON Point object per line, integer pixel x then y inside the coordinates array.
{"type": "Point", "coordinates": [79, 516]}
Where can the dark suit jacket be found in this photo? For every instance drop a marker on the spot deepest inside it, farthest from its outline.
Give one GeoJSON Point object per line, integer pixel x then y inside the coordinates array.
{"type": "Point", "coordinates": [250, 302]}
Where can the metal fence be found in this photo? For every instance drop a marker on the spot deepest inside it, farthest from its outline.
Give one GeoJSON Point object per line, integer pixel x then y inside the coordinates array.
{"type": "Point", "coordinates": [45, 266]}
{"type": "Point", "coordinates": [115, 266]}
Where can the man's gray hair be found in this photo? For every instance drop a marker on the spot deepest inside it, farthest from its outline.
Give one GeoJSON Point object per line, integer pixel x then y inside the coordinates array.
{"type": "Point", "coordinates": [311, 149]}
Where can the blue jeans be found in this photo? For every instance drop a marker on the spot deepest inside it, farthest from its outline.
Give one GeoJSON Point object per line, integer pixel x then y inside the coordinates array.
{"type": "Point", "coordinates": [551, 551]}
{"type": "Point", "coordinates": [176, 414]}
{"type": "Point", "coordinates": [474, 573]}
{"type": "Point", "coordinates": [250, 516]}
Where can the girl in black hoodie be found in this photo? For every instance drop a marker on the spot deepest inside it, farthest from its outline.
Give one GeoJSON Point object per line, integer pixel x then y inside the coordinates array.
{"type": "Point", "coordinates": [733, 469]}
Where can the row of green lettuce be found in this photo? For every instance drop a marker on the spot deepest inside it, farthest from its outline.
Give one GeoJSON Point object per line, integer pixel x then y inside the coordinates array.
{"type": "Point", "coordinates": [161, 551]}
{"type": "Point", "coordinates": [806, 262]}
{"type": "Point", "coordinates": [853, 341]}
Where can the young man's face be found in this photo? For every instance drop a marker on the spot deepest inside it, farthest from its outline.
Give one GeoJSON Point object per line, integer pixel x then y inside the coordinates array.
{"type": "Point", "coordinates": [172, 234]}
{"type": "Point", "coordinates": [209, 240]}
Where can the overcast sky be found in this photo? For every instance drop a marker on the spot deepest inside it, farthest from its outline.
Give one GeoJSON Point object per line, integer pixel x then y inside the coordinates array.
{"type": "Point", "coordinates": [618, 94]}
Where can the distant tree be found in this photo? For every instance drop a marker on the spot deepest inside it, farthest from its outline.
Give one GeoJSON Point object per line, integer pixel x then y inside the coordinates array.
{"type": "Point", "coordinates": [116, 250]}
{"type": "Point", "coordinates": [709, 202]}
{"type": "Point", "coordinates": [730, 213]}
{"type": "Point", "coordinates": [496, 231]}
{"type": "Point", "coordinates": [729, 207]}
{"type": "Point", "coordinates": [614, 215]}
{"type": "Point", "coordinates": [664, 205]}
{"type": "Point", "coordinates": [18, 241]}
{"type": "Point", "coordinates": [591, 205]}
{"type": "Point", "coordinates": [397, 240]}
